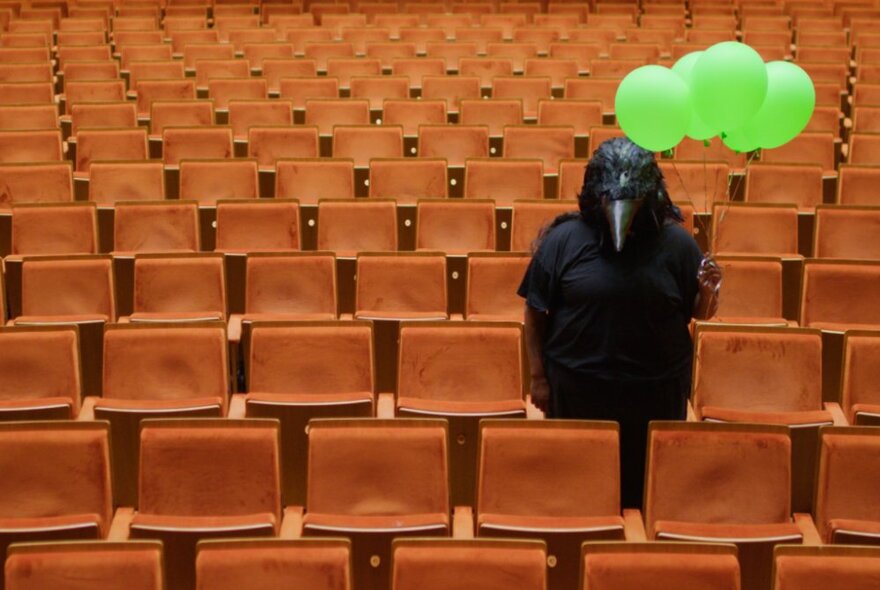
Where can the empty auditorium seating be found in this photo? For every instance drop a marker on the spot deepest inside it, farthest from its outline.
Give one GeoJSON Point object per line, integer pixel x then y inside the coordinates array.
{"type": "Point", "coordinates": [455, 226]}
{"type": "Point", "coordinates": [860, 403]}
{"type": "Point", "coordinates": [784, 183]}
{"type": "Point", "coordinates": [765, 229]}
{"type": "Point", "coordinates": [531, 217]}
{"type": "Point", "coordinates": [179, 287]}
{"type": "Point", "coordinates": [253, 225]}
{"type": "Point", "coordinates": [695, 183]}
{"type": "Point", "coordinates": [308, 180]}
{"type": "Point", "coordinates": [846, 232]}
{"type": "Point", "coordinates": [409, 285]}
{"type": "Point", "coordinates": [503, 180]}
{"type": "Point", "coordinates": [856, 185]}
{"type": "Point", "coordinates": [156, 226]}
{"type": "Point", "coordinates": [753, 290]}
{"type": "Point", "coordinates": [208, 181]}
{"type": "Point", "coordinates": [807, 568]}
{"type": "Point", "coordinates": [54, 228]}
{"type": "Point", "coordinates": [492, 282]}
{"type": "Point", "coordinates": [110, 182]}
{"type": "Point", "coordinates": [839, 295]}
{"type": "Point", "coordinates": [85, 564]}
{"type": "Point", "coordinates": [407, 180]}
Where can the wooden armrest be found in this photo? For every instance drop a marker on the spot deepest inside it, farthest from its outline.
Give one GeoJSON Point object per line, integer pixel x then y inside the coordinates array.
{"type": "Point", "coordinates": [463, 522]}
{"type": "Point", "coordinates": [456, 317]}
{"type": "Point", "coordinates": [87, 410]}
{"type": "Point", "coordinates": [837, 414]}
{"type": "Point", "coordinates": [385, 406]}
{"type": "Point", "coordinates": [346, 316]}
{"type": "Point", "coordinates": [237, 408]}
{"type": "Point", "coordinates": [292, 523]}
{"type": "Point", "coordinates": [804, 522]}
{"type": "Point", "coordinates": [121, 525]}
{"type": "Point", "coordinates": [634, 526]}
{"type": "Point", "coordinates": [532, 412]}
{"type": "Point", "coordinates": [691, 414]}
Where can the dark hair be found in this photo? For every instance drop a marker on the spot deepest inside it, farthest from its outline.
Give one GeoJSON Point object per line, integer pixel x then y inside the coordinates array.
{"type": "Point", "coordinates": [619, 169]}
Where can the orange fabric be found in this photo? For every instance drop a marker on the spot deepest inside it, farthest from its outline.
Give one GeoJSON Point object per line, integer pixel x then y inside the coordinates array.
{"type": "Point", "coordinates": [109, 144]}
{"type": "Point", "coordinates": [375, 470]}
{"type": "Point", "coordinates": [456, 143]}
{"type": "Point", "coordinates": [363, 143]}
{"type": "Point", "coordinates": [752, 289]}
{"type": "Point", "coordinates": [491, 287]}
{"type": "Point", "coordinates": [695, 183]}
{"type": "Point", "coordinates": [408, 179]}
{"type": "Point", "coordinates": [468, 407]}
{"type": "Point", "coordinates": [452, 89]}
{"type": "Point", "coordinates": [311, 359]}
{"type": "Point", "coordinates": [530, 474]}
{"type": "Point", "coordinates": [857, 185]}
{"type": "Point", "coordinates": [277, 69]}
{"type": "Point", "coordinates": [55, 475]}
{"type": "Point", "coordinates": [460, 363]}
{"type": "Point", "coordinates": [246, 523]}
{"type": "Point", "coordinates": [581, 114]}
{"type": "Point", "coordinates": [36, 116]}
{"type": "Point", "coordinates": [161, 405]}
{"type": "Point", "coordinates": [848, 484]}
{"type": "Point", "coordinates": [107, 115]}
{"type": "Point", "coordinates": [351, 226]}
{"type": "Point", "coordinates": [165, 227]}
{"type": "Point", "coordinates": [819, 572]}
{"type": "Point", "coordinates": [742, 477]}
{"type": "Point", "coordinates": [503, 180]}
{"type": "Point", "coordinates": [264, 225]}
{"type": "Point", "coordinates": [49, 182]}
{"type": "Point", "coordinates": [795, 418]}
{"type": "Point", "coordinates": [769, 371]}
{"type": "Point", "coordinates": [291, 285]}
{"type": "Point", "coordinates": [864, 149]}
{"type": "Point", "coordinates": [68, 287]}
{"type": "Point", "coordinates": [847, 233]}
{"type": "Point", "coordinates": [412, 113]}
{"type": "Point", "coordinates": [746, 229]}
{"type": "Point", "coordinates": [391, 286]}
{"type": "Point", "coordinates": [378, 88]}
{"type": "Point", "coordinates": [808, 148]}
{"type": "Point", "coordinates": [549, 144]}
{"type": "Point", "coordinates": [110, 182]}
{"type": "Point", "coordinates": [220, 68]}
{"type": "Point", "coordinates": [152, 91]}
{"type": "Point", "coordinates": [783, 532]}
{"type": "Point", "coordinates": [298, 91]}
{"type": "Point", "coordinates": [455, 227]}
{"type": "Point", "coordinates": [270, 144]}
{"type": "Point", "coordinates": [635, 570]}
{"type": "Point", "coordinates": [347, 523]}
{"type": "Point", "coordinates": [244, 114]}
{"type": "Point", "coordinates": [54, 229]}
{"type": "Point", "coordinates": [528, 89]}
{"type": "Point", "coordinates": [311, 180]}
{"type": "Point", "coordinates": [38, 365]}
{"type": "Point", "coordinates": [571, 179]}
{"type": "Point", "coordinates": [199, 143]}
{"type": "Point", "coordinates": [692, 149]}
{"type": "Point", "coordinates": [224, 90]}
{"type": "Point", "coordinates": [330, 112]}
{"type": "Point", "coordinates": [779, 183]}
{"type": "Point", "coordinates": [208, 181]}
{"type": "Point", "coordinates": [861, 369]}
{"type": "Point", "coordinates": [500, 524]}
{"type": "Point", "coordinates": [188, 285]}
{"type": "Point", "coordinates": [530, 217]}
{"type": "Point", "coordinates": [840, 296]}
{"type": "Point", "coordinates": [85, 566]}
{"type": "Point", "coordinates": [475, 564]}
{"type": "Point", "coordinates": [213, 469]}
{"type": "Point", "coordinates": [161, 363]}
{"type": "Point", "coordinates": [294, 565]}
{"type": "Point", "coordinates": [343, 69]}
{"type": "Point", "coordinates": [496, 113]}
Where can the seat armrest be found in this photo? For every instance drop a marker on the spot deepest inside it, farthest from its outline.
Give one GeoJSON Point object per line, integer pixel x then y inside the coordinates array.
{"type": "Point", "coordinates": [691, 414]}
{"type": "Point", "coordinates": [837, 414]}
{"type": "Point", "coordinates": [634, 526]}
{"type": "Point", "coordinates": [385, 406]}
{"type": "Point", "coordinates": [237, 407]}
{"type": "Point", "coordinates": [456, 317]}
{"type": "Point", "coordinates": [121, 525]}
{"type": "Point", "coordinates": [463, 522]}
{"type": "Point", "coordinates": [346, 316]}
{"type": "Point", "coordinates": [532, 411]}
{"type": "Point", "coordinates": [87, 410]}
{"type": "Point", "coordinates": [804, 522]}
{"type": "Point", "coordinates": [292, 523]}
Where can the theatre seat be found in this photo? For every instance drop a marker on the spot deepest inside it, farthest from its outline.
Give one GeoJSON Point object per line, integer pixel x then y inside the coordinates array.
{"type": "Point", "coordinates": [840, 295]}
{"type": "Point", "coordinates": [752, 291]}
{"type": "Point", "coordinates": [819, 568]}
{"type": "Point", "coordinates": [269, 564]}
{"type": "Point", "coordinates": [178, 288]}
{"type": "Point", "coordinates": [492, 281]}
{"type": "Point", "coordinates": [85, 565]}
{"type": "Point", "coordinates": [861, 360]}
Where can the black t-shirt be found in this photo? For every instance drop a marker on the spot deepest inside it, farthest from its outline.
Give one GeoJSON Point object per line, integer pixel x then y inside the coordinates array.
{"type": "Point", "coordinates": [616, 316]}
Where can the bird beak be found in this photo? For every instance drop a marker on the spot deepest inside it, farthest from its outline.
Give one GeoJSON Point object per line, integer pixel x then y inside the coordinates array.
{"type": "Point", "coordinates": [620, 214]}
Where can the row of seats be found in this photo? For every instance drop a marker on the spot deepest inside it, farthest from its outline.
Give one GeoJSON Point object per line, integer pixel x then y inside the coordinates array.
{"type": "Point", "coordinates": [324, 564]}
{"type": "Point", "coordinates": [373, 480]}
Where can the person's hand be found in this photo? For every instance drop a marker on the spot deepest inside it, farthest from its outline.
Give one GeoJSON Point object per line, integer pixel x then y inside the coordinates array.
{"type": "Point", "coordinates": [709, 278]}
{"type": "Point", "coordinates": [540, 390]}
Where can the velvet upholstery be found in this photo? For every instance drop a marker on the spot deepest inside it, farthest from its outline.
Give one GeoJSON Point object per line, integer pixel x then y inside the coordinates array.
{"type": "Point", "coordinates": [752, 291]}
{"type": "Point", "coordinates": [456, 143]}
{"type": "Point", "coordinates": [750, 229]}
{"type": "Point", "coordinates": [378, 88]}
{"type": "Point", "coordinates": [63, 228]}
{"type": "Point", "coordinates": [488, 565]}
{"type": "Point", "coordinates": [857, 185]}
{"type": "Point", "coordinates": [656, 566]}
{"type": "Point", "coordinates": [151, 91]}
{"type": "Point", "coordinates": [799, 184]}
{"type": "Point", "coordinates": [156, 227]}
{"type": "Point", "coordinates": [94, 91]}
{"type": "Point", "coordinates": [40, 366]}
{"type": "Point", "coordinates": [195, 143]}
{"type": "Point", "coordinates": [503, 180]}
{"type": "Point", "coordinates": [580, 114]}
{"type": "Point", "coordinates": [105, 115]}
{"type": "Point", "coordinates": [310, 180]}
{"type": "Point", "coordinates": [68, 287]}
{"type": "Point", "coordinates": [303, 564]}
{"type": "Point", "coordinates": [496, 113]}
{"type": "Point", "coordinates": [345, 68]}
{"type": "Point", "coordinates": [847, 232]}
{"type": "Point", "coordinates": [31, 116]}
{"type": "Point", "coordinates": [530, 217]}
{"type": "Point", "coordinates": [110, 182]}
{"type": "Point", "coordinates": [861, 371]}
{"type": "Point", "coordinates": [47, 182]}
{"type": "Point", "coordinates": [256, 226]}
{"type": "Point", "coordinates": [179, 113]}
{"type": "Point", "coordinates": [277, 69]}
{"type": "Point", "coordinates": [220, 68]}
{"type": "Point", "coordinates": [244, 114]}
{"type": "Point", "coordinates": [26, 93]}
{"type": "Point", "coordinates": [811, 148]}
{"type": "Point", "coordinates": [451, 89]}
{"type": "Point", "coordinates": [109, 144]}
{"type": "Point", "coordinates": [455, 227]}
{"type": "Point", "coordinates": [699, 184]}
{"type": "Point", "coordinates": [270, 144]}
{"type": "Point", "coordinates": [696, 150]}
{"type": "Point", "coordinates": [55, 474]}
{"type": "Point", "coordinates": [30, 146]}
{"type": "Point", "coordinates": [208, 181]}
{"type": "Point", "coordinates": [401, 286]}
{"type": "Point", "coordinates": [225, 90]}
{"type": "Point", "coordinates": [372, 473]}
{"type": "Point", "coordinates": [528, 89]}
{"type": "Point", "coordinates": [599, 135]}
{"type": "Point", "coordinates": [407, 180]}
{"type": "Point", "coordinates": [192, 286]}
{"type": "Point", "coordinates": [411, 113]}
{"type": "Point", "coordinates": [491, 287]}
{"type": "Point", "coordinates": [302, 284]}
{"type": "Point", "coordinates": [571, 179]}
{"type": "Point", "coordinates": [840, 296]}
{"type": "Point", "coordinates": [362, 143]}
{"type": "Point", "coordinates": [326, 113]}
{"type": "Point", "coordinates": [85, 566]}
{"type": "Point", "coordinates": [819, 568]}
{"type": "Point", "coordinates": [758, 370]}
{"type": "Point", "coordinates": [742, 474]}
{"type": "Point", "coordinates": [464, 362]}
{"type": "Point", "coordinates": [864, 149]}
{"type": "Point", "coordinates": [349, 226]}
{"type": "Point", "coordinates": [549, 144]}
{"type": "Point", "coordinates": [849, 483]}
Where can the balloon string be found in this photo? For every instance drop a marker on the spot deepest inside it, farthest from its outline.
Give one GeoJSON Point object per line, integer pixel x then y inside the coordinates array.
{"type": "Point", "coordinates": [723, 213]}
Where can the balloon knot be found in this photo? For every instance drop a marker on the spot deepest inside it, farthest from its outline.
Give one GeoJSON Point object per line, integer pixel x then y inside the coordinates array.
{"type": "Point", "coordinates": [706, 143]}
{"type": "Point", "coordinates": [723, 135]}
{"type": "Point", "coordinates": [667, 153]}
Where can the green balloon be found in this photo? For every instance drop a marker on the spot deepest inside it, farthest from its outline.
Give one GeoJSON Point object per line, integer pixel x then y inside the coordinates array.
{"type": "Point", "coordinates": [728, 85]}
{"type": "Point", "coordinates": [684, 67]}
{"type": "Point", "coordinates": [653, 107]}
{"type": "Point", "coordinates": [787, 108]}
{"type": "Point", "coordinates": [739, 141]}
